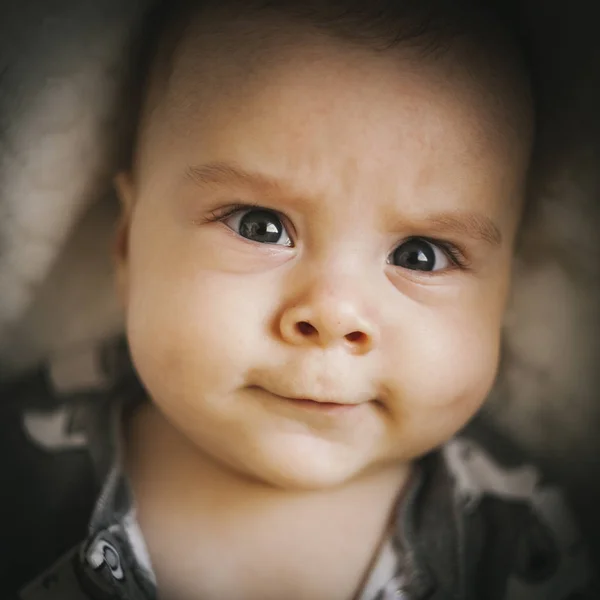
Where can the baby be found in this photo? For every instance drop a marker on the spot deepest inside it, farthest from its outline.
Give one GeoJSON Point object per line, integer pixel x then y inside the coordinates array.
{"type": "Point", "coordinates": [314, 258]}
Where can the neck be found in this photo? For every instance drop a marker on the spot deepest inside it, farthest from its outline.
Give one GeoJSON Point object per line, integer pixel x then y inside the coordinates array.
{"type": "Point", "coordinates": [191, 505]}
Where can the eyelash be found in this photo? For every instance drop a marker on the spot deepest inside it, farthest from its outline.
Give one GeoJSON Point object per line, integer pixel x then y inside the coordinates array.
{"type": "Point", "coordinates": [220, 214]}
{"type": "Point", "coordinates": [453, 252]}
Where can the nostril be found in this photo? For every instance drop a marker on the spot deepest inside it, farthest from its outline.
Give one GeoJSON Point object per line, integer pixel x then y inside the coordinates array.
{"type": "Point", "coordinates": [305, 328]}
{"type": "Point", "coordinates": [356, 337]}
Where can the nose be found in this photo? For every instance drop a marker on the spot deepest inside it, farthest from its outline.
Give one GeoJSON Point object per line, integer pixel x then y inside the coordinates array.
{"type": "Point", "coordinates": [330, 317]}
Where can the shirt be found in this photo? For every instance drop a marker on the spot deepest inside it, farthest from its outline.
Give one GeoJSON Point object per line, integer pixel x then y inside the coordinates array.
{"type": "Point", "coordinates": [474, 522]}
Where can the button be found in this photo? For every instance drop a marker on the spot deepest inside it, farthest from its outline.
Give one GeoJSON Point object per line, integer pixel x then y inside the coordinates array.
{"type": "Point", "coordinates": [104, 553]}
{"type": "Point", "coordinates": [111, 558]}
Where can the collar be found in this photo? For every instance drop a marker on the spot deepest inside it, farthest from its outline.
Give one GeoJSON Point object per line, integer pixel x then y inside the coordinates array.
{"type": "Point", "coordinates": [114, 557]}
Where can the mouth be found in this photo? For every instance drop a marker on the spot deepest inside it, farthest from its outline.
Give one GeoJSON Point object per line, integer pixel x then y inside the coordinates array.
{"type": "Point", "coordinates": [311, 404]}
{"type": "Point", "coordinates": [318, 405]}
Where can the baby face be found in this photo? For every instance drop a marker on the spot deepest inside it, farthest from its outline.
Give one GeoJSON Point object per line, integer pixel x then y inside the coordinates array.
{"type": "Point", "coordinates": [319, 255]}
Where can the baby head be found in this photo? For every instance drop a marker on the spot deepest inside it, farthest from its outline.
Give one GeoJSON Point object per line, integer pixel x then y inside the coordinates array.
{"type": "Point", "coordinates": [318, 228]}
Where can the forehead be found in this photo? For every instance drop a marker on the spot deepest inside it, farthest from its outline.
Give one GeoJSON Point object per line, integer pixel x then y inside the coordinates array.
{"type": "Point", "coordinates": [307, 108]}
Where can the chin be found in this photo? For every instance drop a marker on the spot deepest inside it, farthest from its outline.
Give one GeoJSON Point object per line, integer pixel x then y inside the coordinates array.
{"type": "Point", "coordinates": [303, 480]}
{"type": "Point", "coordinates": [299, 471]}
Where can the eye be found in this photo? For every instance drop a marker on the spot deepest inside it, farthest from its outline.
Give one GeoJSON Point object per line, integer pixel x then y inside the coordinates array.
{"type": "Point", "coordinates": [259, 225]}
{"type": "Point", "coordinates": [418, 254]}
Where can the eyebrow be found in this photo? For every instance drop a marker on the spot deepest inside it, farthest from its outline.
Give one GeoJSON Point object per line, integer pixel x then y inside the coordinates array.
{"type": "Point", "coordinates": [223, 173]}
{"type": "Point", "coordinates": [473, 225]}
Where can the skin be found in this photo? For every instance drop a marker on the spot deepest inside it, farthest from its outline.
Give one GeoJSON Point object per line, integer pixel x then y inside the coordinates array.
{"type": "Point", "coordinates": [357, 152]}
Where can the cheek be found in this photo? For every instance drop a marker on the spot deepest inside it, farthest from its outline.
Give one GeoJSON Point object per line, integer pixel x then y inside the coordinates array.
{"type": "Point", "coordinates": [445, 367]}
{"type": "Point", "coordinates": [189, 321]}
{"type": "Point", "coordinates": [460, 356]}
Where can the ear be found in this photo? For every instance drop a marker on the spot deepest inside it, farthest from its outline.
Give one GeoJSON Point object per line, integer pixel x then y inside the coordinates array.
{"type": "Point", "coordinates": [125, 191]}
